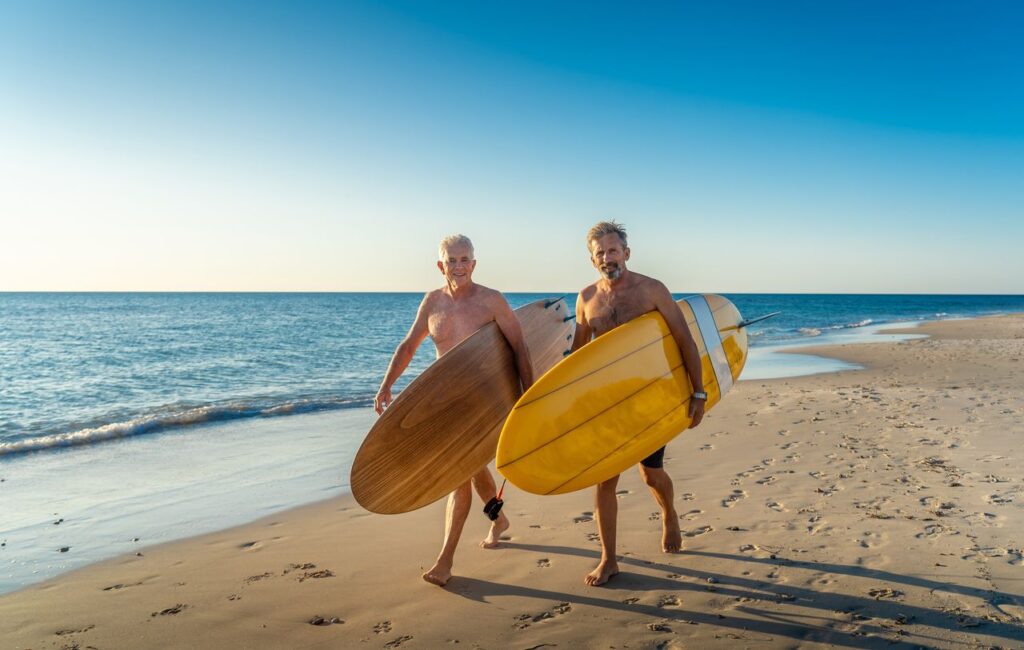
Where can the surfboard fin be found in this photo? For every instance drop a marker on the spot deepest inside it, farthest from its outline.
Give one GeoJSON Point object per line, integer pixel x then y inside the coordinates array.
{"type": "Point", "coordinates": [749, 321]}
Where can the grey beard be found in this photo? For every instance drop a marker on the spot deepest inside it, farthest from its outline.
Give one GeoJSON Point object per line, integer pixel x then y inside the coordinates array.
{"type": "Point", "coordinates": [612, 274]}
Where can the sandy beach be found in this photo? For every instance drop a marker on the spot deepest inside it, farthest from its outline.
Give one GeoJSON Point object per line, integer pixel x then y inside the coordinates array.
{"type": "Point", "coordinates": [870, 508]}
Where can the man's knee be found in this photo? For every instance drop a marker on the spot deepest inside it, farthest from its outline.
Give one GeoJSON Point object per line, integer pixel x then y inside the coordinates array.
{"type": "Point", "coordinates": [653, 477]}
{"type": "Point", "coordinates": [463, 492]}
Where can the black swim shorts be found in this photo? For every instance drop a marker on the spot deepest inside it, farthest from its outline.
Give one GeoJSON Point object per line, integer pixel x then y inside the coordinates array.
{"type": "Point", "coordinates": [655, 460]}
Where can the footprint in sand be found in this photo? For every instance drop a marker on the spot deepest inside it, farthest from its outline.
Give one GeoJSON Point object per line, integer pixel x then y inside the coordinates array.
{"type": "Point", "coordinates": [654, 516]}
{"type": "Point", "coordinates": [776, 506]}
{"type": "Point", "coordinates": [631, 601]}
{"type": "Point", "coordinates": [621, 494]}
{"type": "Point", "coordinates": [871, 539]}
{"type": "Point", "coordinates": [669, 601]}
{"type": "Point", "coordinates": [731, 500]}
{"type": "Point", "coordinates": [544, 563]}
{"type": "Point", "coordinates": [931, 531]}
{"type": "Point", "coordinates": [593, 537]}
{"type": "Point", "coordinates": [524, 621]}
{"type": "Point", "coordinates": [687, 496]}
{"type": "Point", "coordinates": [707, 447]}
{"type": "Point", "coordinates": [691, 515]}
{"type": "Point", "coordinates": [320, 620]}
{"type": "Point", "coordinates": [698, 531]}
{"type": "Point", "coordinates": [986, 519]}
{"type": "Point", "coordinates": [999, 499]}
{"type": "Point", "coordinates": [583, 518]}
{"type": "Point", "coordinates": [768, 480]}
{"type": "Point", "coordinates": [170, 611]}
{"type": "Point", "coordinates": [67, 632]}
{"type": "Point", "coordinates": [262, 576]}
{"type": "Point", "coordinates": [884, 592]}
{"type": "Point", "coordinates": [397, 642]}
{"type": "Point", "coordinates": [382, 628]}
{"type": "Point", "coordinates": [121, 586]}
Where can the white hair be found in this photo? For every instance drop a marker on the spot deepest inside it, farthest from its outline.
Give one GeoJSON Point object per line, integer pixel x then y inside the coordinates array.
{"type": "Point", "coordinates": [454, 240]}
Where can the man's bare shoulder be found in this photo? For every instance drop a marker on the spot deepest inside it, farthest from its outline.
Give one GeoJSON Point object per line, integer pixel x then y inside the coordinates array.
{"type": "Point", "coordinates": [489, 296]}
{"type": "Point", "coordinates": [648, 285]}
{"type": "Point", "coordinates": [433, 299]}
{"type": "Point", "coordinates": [587, 292]}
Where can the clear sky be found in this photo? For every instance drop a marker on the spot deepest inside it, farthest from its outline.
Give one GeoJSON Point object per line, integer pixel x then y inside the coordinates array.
{"type": "Point", "coordinates": [748, 146]}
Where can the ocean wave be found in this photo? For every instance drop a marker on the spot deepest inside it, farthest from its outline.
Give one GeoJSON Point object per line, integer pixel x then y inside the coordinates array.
{"type": "Point", "coordinates": [173, 419]}
{"type": "Point", "coordinates": [810, 331]}
{"type": "Point", "coordinates": [848, 326]}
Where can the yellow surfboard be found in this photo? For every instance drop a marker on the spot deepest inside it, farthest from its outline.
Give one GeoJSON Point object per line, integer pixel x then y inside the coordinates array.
{"type": "Point", "coordinates": [444, 426]}
{"type": "Point", "coordinates": [618, 399]}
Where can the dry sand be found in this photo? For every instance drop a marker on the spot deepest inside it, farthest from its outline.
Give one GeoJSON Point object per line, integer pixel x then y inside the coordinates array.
{"type": "Point", "coordinates": [872, 508]}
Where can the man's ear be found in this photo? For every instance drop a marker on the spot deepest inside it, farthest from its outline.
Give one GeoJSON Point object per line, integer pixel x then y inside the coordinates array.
{"type": "Point", "coordinates": [440, 266]}
{"type": "Point", "coordinates": [625, 254]}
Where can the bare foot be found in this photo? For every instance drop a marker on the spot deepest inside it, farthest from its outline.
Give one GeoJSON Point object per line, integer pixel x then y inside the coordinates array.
{"type": "Point", "coordinates": [498, 526]}
{"type": "Point", "coordinates": [439, 574]}
{"type": "Point", "coordinates": [671, 538]}
{"type": "Point", "coordinates": [604, 572]}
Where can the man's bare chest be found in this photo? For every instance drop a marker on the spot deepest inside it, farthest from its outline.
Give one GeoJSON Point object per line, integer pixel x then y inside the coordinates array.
{"type": "Point", "coordinates": [453, 322]}
{"type": "Point", "coordinates": [605, 312]}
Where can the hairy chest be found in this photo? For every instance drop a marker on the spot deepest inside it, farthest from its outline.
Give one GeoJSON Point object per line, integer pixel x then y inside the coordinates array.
{"type": "Point", "coordinates": [607, 311]}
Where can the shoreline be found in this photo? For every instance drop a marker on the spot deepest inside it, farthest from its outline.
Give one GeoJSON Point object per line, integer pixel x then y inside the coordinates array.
{"type": "Point", "coordinates": [870, 507]}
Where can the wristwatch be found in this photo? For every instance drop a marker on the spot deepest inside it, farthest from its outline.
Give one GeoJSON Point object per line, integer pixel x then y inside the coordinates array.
{"type": "Point", "coordinates": [701, 395]}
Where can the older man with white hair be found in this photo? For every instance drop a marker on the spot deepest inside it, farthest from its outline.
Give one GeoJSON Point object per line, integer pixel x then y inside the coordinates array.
{"type": "Point", "coordinates": [448, 315]}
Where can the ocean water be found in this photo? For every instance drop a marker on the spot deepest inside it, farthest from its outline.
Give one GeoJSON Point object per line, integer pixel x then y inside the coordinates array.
{"type": "Point", "coordinates": [132, 419]}
{"type": "Point", "coordinates": [79, 368]}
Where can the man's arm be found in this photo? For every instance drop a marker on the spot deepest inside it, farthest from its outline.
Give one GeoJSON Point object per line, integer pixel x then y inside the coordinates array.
{"type": "Point", "coordinates": [513, 332]}
{"type": "Point", "coordinates": [584, 332]}
{"type": "Point", "coordinates": [673, 316]}
{"type": "Point", "coordinates": [403, 355]}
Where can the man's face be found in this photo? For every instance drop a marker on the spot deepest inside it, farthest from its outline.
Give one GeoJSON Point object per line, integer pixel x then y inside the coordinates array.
{"type": "Point", "coordinates": [457, 265]}
{"type": "Point", "coordinates": [609, 256]}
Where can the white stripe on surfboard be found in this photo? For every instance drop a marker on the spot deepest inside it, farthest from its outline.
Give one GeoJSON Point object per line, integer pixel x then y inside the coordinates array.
{"type": "Point", "coordinates": [712, 341]}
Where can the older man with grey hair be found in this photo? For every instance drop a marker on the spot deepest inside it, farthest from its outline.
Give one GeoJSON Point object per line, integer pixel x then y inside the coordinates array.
{"type": "Point", "coordinates": [448, 315]}
{"type": "Point", "coordinates": [619, 296]}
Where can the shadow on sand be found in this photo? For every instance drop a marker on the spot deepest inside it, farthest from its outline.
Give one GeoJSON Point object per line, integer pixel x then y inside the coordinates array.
{"type": "Point", "coordinates": [794, 625]}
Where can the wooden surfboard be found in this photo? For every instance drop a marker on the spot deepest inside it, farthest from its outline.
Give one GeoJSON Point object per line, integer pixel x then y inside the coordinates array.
{"type": "Point", "coordinates": [444, 426]}
{"type": "Point", "coordinates": [618, 399]}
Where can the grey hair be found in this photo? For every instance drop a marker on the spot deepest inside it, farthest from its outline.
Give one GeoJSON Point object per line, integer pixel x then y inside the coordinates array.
{"type": "Point", "coordinates": [454, 240]}
{"type": "Point", "coordinates": [603, 228]}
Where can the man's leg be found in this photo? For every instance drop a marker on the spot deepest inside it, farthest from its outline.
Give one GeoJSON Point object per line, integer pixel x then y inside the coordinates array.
{"type": "Point", "coordinates": [483, 482]}
{"type": "Point", "coordinates": [607, 508]}
{"type": "Point", "coordinates": [455, 518]}
{"type": "Point", "coordinates": [660, 483]}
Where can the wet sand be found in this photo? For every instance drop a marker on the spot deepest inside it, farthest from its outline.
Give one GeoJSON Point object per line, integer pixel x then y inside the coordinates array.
{"type": "Point", "coordinates": [873, 508]}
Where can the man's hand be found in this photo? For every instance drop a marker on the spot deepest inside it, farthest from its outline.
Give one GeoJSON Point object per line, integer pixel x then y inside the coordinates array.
{"type": "Point", "coordinates": [696, 411]}
{"type": "Point", "coordinates": [382, 400]}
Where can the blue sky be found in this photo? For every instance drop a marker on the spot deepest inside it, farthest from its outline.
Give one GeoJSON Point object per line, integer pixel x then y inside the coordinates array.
{"type": "Point", "coordinates": [761, 147]}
